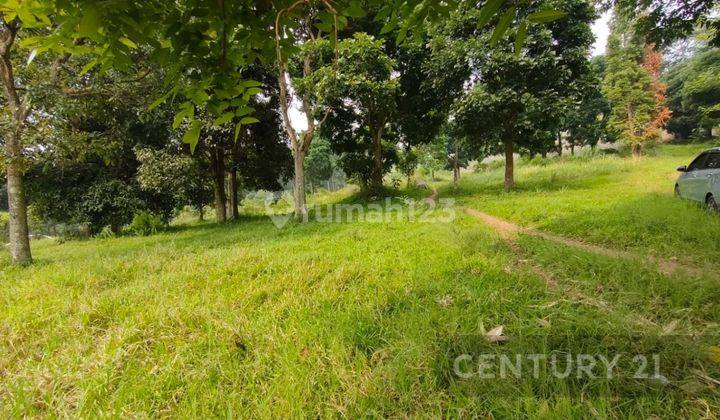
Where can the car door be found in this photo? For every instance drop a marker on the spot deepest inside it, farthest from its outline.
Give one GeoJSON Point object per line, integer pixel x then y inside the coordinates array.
{"type": "Point", "coordinates": [690, 182]}
{"type": "Point", "coordinates": [712, 175]}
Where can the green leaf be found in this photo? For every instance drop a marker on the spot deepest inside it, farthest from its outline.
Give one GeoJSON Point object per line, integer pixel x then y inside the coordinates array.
{"type": "Point", "coordinates": [324, 26]}
{"type": "Point", "coordinates": [254, 91]}
{"type": "Point", "coordinates": [238, 126]}
{"type": "Point", "coordinates": [128, 43]}
{"type": "Point", "coordinates": [90, 23]}
{"type": "Point", "coordinates": [159, 101]}
{"type": "Point", "coordinates": [192, 135]}
{"type": "Point", "coordinates": [198, 96]}
{"type": "Point", "coordinates": [179, 118]}
{"type": "Point", "coordinates": [89, 66]}
{"type": "Point", "coordinates": [27, 18]}
{"type": "Point", "coordinates": [402, 34]}
{"type": "Point", "coordinates": [224, 118]}
{"type": "Point", "coordinates": [250, 83]}
{"type": "Point", "coordinates": [520, 37]}
{"type": "Point", "coordinates": [244, 111]}
{"type": "Point", "coordinates": [488, 11]}
{"type": "Point", "coordinates": [249, 120]}
{"type": "Point", "coordinates": [502, 25]}
{"type": "Point", "coordinates": [545, 16]}
{"type": "Point", "coordinates": [388, 27]}
{"type": "Point", "coordinates": [355, 10]}
{"type": "Point", "coordinates": [382, 14]}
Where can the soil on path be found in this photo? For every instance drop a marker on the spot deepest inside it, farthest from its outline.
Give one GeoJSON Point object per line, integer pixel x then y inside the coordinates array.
{"type": "Point", "coordinates": [509, 232]}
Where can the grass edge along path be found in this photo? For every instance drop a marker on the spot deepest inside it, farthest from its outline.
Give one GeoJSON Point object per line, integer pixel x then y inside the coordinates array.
{"type": "Point", "coordinates": [508, 231]}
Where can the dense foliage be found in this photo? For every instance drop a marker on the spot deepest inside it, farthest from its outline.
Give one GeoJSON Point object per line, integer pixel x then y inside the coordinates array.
{"type": "Point", "coordinates": [694, 94]}
{"type": "Point", "coordinates": [515, 100]}
{"type": "Point", "coordinates": [632, 86]}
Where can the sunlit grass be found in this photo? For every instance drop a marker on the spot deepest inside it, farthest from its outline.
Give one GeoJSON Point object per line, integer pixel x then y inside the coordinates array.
{"type": "Point", "coordinates": [608, 200]}
{"type": "Point", "coordinates": [365, 319]}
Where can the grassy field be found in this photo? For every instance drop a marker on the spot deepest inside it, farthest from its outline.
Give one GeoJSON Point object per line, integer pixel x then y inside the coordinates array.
{"type": "Point", "coordinates": [367, 318]}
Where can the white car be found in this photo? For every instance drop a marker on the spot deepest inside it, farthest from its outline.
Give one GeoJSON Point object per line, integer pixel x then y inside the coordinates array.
{"type": "Point", "coordinates": [700, 181]}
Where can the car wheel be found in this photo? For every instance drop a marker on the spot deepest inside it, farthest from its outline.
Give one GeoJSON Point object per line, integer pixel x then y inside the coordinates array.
{"type": "Point", "coordinates": [711, 203]}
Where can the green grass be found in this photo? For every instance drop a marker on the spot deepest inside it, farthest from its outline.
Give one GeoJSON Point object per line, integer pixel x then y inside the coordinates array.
{"type": "Point", "coordinates": [365, 319]}
{"type": "Point", "coordinates": [606, 200]}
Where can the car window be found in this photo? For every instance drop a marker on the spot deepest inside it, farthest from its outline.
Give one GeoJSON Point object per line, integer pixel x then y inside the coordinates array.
{"type": "Point", "coordinates": [698, 163]}
{"type": "Point", "coordinates": [713, 161]}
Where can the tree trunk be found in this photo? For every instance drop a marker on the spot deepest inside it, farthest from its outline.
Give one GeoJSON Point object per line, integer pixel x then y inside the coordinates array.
{"type": "Point", "coordinates": [218, 168]}
{"type": "Point", "coordinates": [636, 151]}
{"type": "Point", "coordinates": [17, 206]}
{"type": "Point", "coordinates": [201, 214]}
{"type": "Point", "coordinates": [234, 203]}
{"type": "Point", "coordinates": [559, 144]}
{"type": "Point", "coordinates": [301, 213]}
{"type": "Point", "coordinates": [19, 233]}
{"type": "Point", "coordinates": [377, 172]}
{"type": "Point", "coordinates": [572, 148]}
{"type": "Point", "coordinates": [509, 166]}
{"type": "Point", "coordinates": [456, 167]}
{"type": "Point", "coordinates": [544, 154]}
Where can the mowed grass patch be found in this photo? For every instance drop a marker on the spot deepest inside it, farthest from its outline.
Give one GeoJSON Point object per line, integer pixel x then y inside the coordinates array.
{"type": "Point", "coordinates": [357, 318]}
{"type": "Point", "coordinates": [247, 319]}
{"type": "Point", "coordinates": [606, 200]}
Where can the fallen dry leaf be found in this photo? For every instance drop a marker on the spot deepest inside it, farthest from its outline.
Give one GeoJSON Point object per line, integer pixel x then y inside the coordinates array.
{"type": "Point", "coordinates": [496, 335]}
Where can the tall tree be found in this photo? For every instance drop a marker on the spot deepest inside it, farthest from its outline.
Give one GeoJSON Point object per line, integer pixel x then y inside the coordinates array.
{"type": "Point", "coordinates": [631, 85]}
{"type": "Point", "coordinates": [694, 93]}
{"type": "Point", "coordinates": [361, 83]}
{"type": "Point", "coordinates": [663, 22]}
{"type": "Point", "coordinates": [512, 96]}
{"type": "Point", "coordinates": [19, 110]}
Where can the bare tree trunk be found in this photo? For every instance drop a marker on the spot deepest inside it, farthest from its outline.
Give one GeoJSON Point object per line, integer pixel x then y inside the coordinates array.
{"type": "Point", "coordinates": [509, 166]}
{"type": "Point", "coordinates": [544, 154]}
{"type": "Point", "coordinates": [572, 148]}
{"type": "Point", "coordinates": [559, 144]}
{"type": "Point", "coordinates": [456, 166]}
{"type": "Point", "coordinates": [300, 143]}
{"type": "Point", "coordinates": [301, 212]}
{"type": "Point", "coordinates": [17, 206]}
{"type": "Point", "coordinates": [218, 168]}
{"type": "Point", "coordinates": [377, 172]}
{"type": "Point", "coordinates": [19, 232]}
{"type": "Point", "coordinates": [234, 204]}
{"type": "Point", "coordinates": [636, 151]}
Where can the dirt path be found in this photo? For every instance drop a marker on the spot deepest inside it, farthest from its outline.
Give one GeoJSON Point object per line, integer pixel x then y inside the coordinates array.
{"type": "Point", "coordinates": [509, 232]}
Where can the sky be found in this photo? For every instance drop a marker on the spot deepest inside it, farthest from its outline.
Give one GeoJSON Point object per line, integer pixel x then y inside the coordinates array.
{"type": "Point", "coordinates": [601, 30]}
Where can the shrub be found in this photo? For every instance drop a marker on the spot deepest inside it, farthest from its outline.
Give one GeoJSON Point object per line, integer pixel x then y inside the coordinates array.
{"type": "Point", "coordinates": [106, 233]}
{"type": "Point", "coordinates": [4, 227]}
{"type": "Point", "coordinates": [146, 223]}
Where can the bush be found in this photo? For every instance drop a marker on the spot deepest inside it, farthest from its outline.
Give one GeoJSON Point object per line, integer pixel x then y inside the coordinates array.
{"type": "Point", "coordinates": [145, 224]}
{"type": "Point", "coordinates": [4, 227]}
{"type": "Point", "coordinates": [490, 166]}
{"type": "Point", "coordinates": [106, 233]}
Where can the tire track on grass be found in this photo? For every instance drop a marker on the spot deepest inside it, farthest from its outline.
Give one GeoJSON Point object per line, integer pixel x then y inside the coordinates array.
{"type": "Point", "coordinates": [509, 232]}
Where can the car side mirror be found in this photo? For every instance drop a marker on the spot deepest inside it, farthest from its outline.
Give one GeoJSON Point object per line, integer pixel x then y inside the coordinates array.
{"type": "Point", "coordinates": [682, 169]}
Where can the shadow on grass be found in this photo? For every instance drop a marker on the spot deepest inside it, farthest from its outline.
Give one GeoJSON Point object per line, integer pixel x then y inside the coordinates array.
{"type": "Point", "coordinates": [492, 184]}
